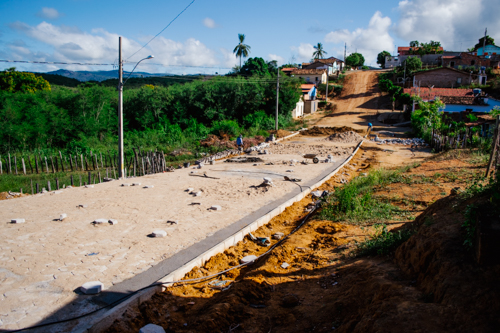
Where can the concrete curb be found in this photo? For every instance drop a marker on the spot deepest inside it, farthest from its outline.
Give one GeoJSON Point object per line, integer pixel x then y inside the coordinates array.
{"type": "Point", "coordinates": [107, 319]}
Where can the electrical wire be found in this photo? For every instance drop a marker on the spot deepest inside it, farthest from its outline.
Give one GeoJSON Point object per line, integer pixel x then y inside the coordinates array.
{"type": "Point", "coordinates": [54, 62]}
{"type": "Point", "coordinates": [175, 18]}
{"type": "Point", "coordinates": [120, 300]}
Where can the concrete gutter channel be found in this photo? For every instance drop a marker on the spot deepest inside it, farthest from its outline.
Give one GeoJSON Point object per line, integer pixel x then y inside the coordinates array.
{"type": "Point", "coordinates": [175, 267]}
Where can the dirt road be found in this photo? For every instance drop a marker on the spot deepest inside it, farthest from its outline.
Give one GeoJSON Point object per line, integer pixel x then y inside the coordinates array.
{"type": "Point", "coordinates": [358, 103]}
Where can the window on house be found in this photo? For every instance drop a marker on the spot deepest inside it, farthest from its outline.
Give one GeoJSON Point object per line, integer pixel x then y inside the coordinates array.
{"type": "Point", "coordinates": [452, 64]}
{"type": "Point", "coordinates": [308, 79]}
{"type": "Point", "coordinates": [317, 79]}
{"type": "Point", "coordinates": [473, 62]}
{"type": "Point", "coordinates": [459, 80]}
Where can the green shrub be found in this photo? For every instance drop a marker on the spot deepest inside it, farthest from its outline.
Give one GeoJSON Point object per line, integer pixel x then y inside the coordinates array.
{"type": "Point", "coordinates": [383, 242]}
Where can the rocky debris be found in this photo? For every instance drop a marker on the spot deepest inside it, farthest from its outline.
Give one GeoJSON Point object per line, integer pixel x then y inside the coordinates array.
{"type": "Point", "coordinates": [245, 159]}
{"type": "Point", "coordinates": [346, 137]}
{"type": "Point", "coordinates": [405, 142]}
{"type": "Point", "coordinates": [89, 186]}
{"type": "Point", "coordinates": [258, 148]}
{"type": "Point", "coordinates": [99, 221]}
{"type": "Point", "coordinates": [125, 185]}
{"type": "Point", "coordinates": [248, 259]}
{"type": "Point", "coordinates": [278, 235]}
{"type": "Point", "coordinates": [106, 179]}
{"type": "Point", "coordinates": [63, 216]}
{"type": "Point", "coordinates": [189, 189]}
{"type": "Point", "coordinates": [197, 194]}
{"type": "Point", "coordinates": [136, 184]}
{"type": "Point", "coordinates": [216, 207]}
{"type": "Point", "coordinates": [113, 221]}
{"type": "Point", "coordinates": [170, 169]}
{"type": "Point", "coordinates": [17, 221]}
{"type": "Point", "coordinates": [172, 222]}
{"type": "Point", "coordinates": [91, 288]}
{"type": "Point", "coordinates": [149, 186]}
{"type": "Point", "coordinates": [285, 265]}
{"type": "Point", "coordinates": [320, 131]}
{"type": "Point", "coordinates": [82, 206]}
{"type": "Point", "coordinates": [152, 328]}
{"type": "Point", "coordinates": [159, 233]}
{"type": "Point", "coordinates": [218, 156]}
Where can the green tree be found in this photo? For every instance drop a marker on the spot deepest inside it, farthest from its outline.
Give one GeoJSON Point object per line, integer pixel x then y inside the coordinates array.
{"type": "Point", "coordinates": [355, 60]}
{"type": "Point", "coordinates": [23, 82]}
{"type": "Point", "coordinates": [255, 66]}
{"type": "Point", "coordinates": [381, 58]}
{"type": "Point", "coordinates": [414, 43]}
{"type": "Point", "coordinates": [412, 64]}
{"type": "Point", "coordinates": [241, 50]}
{"type": "Point", "coordinates": [489, 41]}
{"type": "Point", "coordinates": [319, 53]}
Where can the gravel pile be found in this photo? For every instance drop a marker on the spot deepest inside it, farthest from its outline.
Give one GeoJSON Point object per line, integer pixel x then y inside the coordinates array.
{"type": "Point", "coordinates": [405, 142]}
{"type": "Point", "coordinates": [346, 137]}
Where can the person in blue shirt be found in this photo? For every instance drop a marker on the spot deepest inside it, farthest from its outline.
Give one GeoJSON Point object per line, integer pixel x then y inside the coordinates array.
{"type": "Point", "coordinates": [368, 131]}
{"type": "Point", "coordinates": [239, 142]}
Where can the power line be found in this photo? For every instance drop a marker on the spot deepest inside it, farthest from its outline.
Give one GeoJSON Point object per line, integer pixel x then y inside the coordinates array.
{"type": "Point", "coordinates": [175, 18]}
{"type": "Point", "coordinates": [55, 62]}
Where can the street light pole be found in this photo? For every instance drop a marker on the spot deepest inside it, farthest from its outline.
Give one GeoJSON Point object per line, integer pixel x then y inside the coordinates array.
{"type": "Point", "coordinates": [277, 97]}
{"type": "Point", "coordinates": [121, 167]}
{"type": "Point", "coordinates": [120, 111]}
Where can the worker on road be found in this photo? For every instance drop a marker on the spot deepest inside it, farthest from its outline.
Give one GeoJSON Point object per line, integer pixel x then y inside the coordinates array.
{"type": "Point", "coordinates": [368, 131]}
{"type": "Point", "coordinates": [239, 142]}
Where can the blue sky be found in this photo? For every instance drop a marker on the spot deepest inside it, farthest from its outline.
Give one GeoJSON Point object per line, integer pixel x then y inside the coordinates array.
{"type": "Point", "coordinates": [202, 39]}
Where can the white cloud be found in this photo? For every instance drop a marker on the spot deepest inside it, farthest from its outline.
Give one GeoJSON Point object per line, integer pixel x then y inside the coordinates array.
{"type": "Point", "coordinates": [280, 60]}
{"type": "Point", "coordinates": [229, 59]}
{"type": "Point", "coordinates": [209, 23]}
{"type": "Point", "coordinates": [369, 42]}
{"type": "Point", "coordinates": [304, 52]}
{"type": "Point", "coordinates": [455, 23]}
{"type": "Point", "coordinates": [48, 13]}
{"type": "Point", "coordinates": [70, 44]}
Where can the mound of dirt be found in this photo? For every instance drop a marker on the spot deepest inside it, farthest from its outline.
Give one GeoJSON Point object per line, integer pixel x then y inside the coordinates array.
{"type": "Point", "coordinates": [280, 133]}
{"type": "Point", "coordinates": [320, 131]}
{"type": "Point", "coordinates": [346, 137]}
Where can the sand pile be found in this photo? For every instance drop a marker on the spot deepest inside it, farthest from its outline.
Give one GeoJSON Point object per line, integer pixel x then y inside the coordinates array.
{"type": "Point", "coordinates": [319, 131]}
{"type": "Point", "coordinates": [346, 137]}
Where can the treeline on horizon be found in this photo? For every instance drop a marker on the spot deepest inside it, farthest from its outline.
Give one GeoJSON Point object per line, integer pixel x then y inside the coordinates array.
{"type": "Point", "coordinates": [83, 118]}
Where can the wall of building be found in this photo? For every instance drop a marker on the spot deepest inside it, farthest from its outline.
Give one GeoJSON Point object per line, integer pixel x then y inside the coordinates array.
{"type": "Point", "coordinates": [299, 109]}
{"type": "Point", "coordinates": [310, 106]}
{"type": "Point", "coordinates": [442, 79]}
{"type": "Point", "coordinates": [488, 50]}
{"type": "Point", "coordinates": [466, 60]}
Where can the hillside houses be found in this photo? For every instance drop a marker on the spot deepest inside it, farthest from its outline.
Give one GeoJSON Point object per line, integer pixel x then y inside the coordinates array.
{"type": "Point", "coordinates": [317, 71]}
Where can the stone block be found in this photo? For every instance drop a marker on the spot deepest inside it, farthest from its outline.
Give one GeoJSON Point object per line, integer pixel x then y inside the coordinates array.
{"type": "Point", "coordinates": [285, 265]}
{"type": "Point", "coordinates": [248, 259]}
{"type": "Point", "coordinates": [89, 186]}
{"type": "Point", "coordinates": [100, 221]}
{"type": "Point", "coordinates": [125, 184]}
{"type": "Point", "coordinates": [215, 207]}
{"type": "Point", "coordinates": [112, 221]}
{"type": "Point", "coordinates": [190, 189]}
{"type": "Point", "coordinates": [63, 216]}
{"type": "Point", "coordinates": [17, 220]}
{"type": "Point", "coordinates": [152, 328]}
{"type": "Point", "coordinates": [149, 186]}
{"type": "Point", "coordinates": [93, 287]}
{"type": "Point", "coordinates": [278, 235]}
{"type": "Point", "coordinates": [136, 184]}
{"type": "Point", "coordinates": [159, 233]}
{"type": "Point", "coordinates": [198, 194]}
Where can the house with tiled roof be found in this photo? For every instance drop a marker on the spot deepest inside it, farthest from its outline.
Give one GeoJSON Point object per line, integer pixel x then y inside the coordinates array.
{"type": "Point", "coordinates": [465, 60]}
{"type": "Point", "coordinates": [332, 65]}
{"type": "Point", "coordinates": [444, 77]}
{"type": "Point", "coordinates": [407, 50]}
{"type": "Point", "coordinates": [314, 76]}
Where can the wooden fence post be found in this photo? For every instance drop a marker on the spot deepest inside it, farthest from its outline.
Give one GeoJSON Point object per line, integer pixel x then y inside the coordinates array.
{"type": "Point", "coordinates": [81, 156]}
{"type": "Point", "coordinates": [57, 183]}
{"type": "Point", "coordinates": [24, 166]}
{"type": "Point", "coordinates": [46, 164]}
{"type": "Point", "coordinates": [48, 186]}
{"type": "Point", "coordinates": [72, 181]}
{"type": "Point", "coordinates": [10, 166]}
{"type": "Point", "coordinates": [1, 169]}
{"type": "Point", "coordinates": [494, 148]}
{"type": "Point", "coordinates": [15, 163]}
{"type": "Point", "coordinates": [52, 162]}
{"type": "Point", "coordinates": [32, 192]}
{"type": "Point", "coordinates": [62, 164]}
{"type": "Point", "coordinates": [71, 164]}
{"type": "Point", "coordinates": [37, 188]}
{"type": "Point", "coordinates": [90, 177]}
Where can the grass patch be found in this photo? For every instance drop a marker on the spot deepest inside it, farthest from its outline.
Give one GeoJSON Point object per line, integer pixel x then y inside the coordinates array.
{"type": "Point", "coordinates": [383, 242]}
{"type": "Point", "coordinates": [355, 202]}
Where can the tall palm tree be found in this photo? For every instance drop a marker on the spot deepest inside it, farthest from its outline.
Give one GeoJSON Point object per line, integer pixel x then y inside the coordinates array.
{"type": "Point", "coordinates": [241, 50]}
{"type": "Point", "coordinates": [319, 53]}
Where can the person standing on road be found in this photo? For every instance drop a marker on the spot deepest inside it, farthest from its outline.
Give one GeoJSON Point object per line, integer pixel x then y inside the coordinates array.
{"type": "Point", "coordinates": [239, 142]}
{"type": "Point", "coordinates": [369, 130]}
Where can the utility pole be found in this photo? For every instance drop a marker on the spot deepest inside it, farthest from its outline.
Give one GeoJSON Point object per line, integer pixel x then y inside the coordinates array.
{"type": "Point", "coordinates": [120, 110]}
{"type": "Point", "coordinates": [345, 52]}
{"type": "Point", "coordinates": [277, 97]}
{"type": "Point", "coordinates": [484, 41]}
{"type": "Point", "coordinates": [326, 85]}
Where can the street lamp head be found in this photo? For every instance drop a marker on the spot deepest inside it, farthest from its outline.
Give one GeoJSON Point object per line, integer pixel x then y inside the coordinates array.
{"type": "Point", "coordinates": [150, 57]}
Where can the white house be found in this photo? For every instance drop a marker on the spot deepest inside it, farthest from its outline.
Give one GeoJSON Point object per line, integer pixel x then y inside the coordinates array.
{"type": "Point", "coordinates": [332, 65]}
{"type": "Point", "coordinates": [314, 76]}
{"type": "Point", "coordinates": [299, 109]}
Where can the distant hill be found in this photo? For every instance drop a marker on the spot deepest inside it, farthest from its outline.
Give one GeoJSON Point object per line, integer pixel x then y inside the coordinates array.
{"type": "Point", "coordinates": [59, 80]}
{"type": "Point", "coordinates": [100, 75]}
{"type": "Point", "coordinates": [67, 78]}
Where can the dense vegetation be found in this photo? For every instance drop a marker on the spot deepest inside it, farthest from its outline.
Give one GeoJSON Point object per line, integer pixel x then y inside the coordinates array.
{"type": "Point", "coordinates": [85, 117]}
